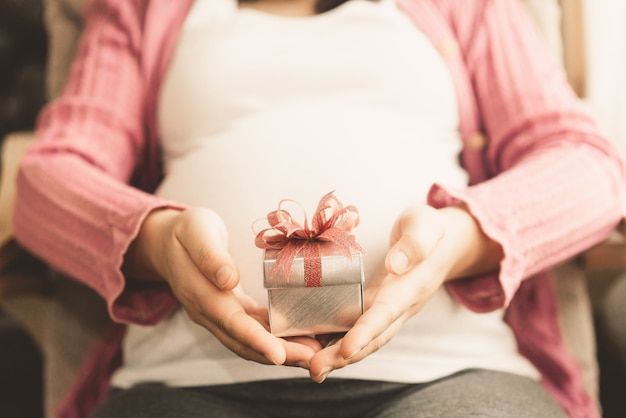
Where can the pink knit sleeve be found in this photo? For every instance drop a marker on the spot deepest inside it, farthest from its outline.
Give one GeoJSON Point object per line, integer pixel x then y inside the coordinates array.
{"type": "Point", "coordinates": [74, 208]}
{"type": "Point", "coordinates": [557, 185]}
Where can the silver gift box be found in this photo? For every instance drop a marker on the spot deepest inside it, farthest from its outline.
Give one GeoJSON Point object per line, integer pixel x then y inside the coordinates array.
{"type": "Point", "coordinates": [334, 306]}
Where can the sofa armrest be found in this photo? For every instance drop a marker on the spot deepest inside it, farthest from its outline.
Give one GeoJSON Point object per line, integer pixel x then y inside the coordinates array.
{"type": "Point", "coordinates": [13, 147]}
{"type": "Point", "coordinates": [19, 272]}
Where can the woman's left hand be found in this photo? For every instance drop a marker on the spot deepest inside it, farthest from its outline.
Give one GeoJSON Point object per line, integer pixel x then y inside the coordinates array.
{"type": "Point", "coordinates": [428, 247]}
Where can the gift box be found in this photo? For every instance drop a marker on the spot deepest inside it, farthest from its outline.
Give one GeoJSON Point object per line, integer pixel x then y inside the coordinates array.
{"type": "Point", "coordinates": [329, 305]}
{"type": "Point", "coordinates": [313, 273]}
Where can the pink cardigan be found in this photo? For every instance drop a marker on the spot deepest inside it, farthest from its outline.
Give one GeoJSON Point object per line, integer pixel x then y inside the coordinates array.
{"type": "Point", "coordinates": [544, 183]}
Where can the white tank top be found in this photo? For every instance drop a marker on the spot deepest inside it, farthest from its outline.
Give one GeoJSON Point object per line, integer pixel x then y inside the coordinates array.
{"type": "Point", "coordinates": [257, 108]}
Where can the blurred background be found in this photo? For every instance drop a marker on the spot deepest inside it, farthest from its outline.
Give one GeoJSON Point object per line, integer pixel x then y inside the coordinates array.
{"type": "Point", "coordinates": [22, 63]}
{"type": "Point", "coordinates": [23, 55]}
{"type": "Point", "coordinates": [599, 77]}
{"type": "Point", "coordinates": [605, 46]}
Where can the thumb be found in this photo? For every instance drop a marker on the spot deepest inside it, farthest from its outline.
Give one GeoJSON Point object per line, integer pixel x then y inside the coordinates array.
{"type": "Point", "coordinates": [414, 236]}
{"type": "Point", "coordinates": [206, 242]}
{"type": "Point", "coordinates": [404, 255]}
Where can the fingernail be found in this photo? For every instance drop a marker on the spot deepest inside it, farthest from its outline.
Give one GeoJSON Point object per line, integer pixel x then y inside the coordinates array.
{"type": "Point", "coordinates": [325, 371]}
{"type": "Point", "coordinates": [224, 276]}
{"type": "Point", "coordinates": [399, 262]}
{"type": "Point", "coordinates": [324, 374]}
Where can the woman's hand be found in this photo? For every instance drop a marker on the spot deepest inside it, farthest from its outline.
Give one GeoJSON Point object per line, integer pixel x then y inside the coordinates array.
{"type": "Point", "coordinates": [189, 250]}
{"type": "Point", "coordinates": [428, 247]}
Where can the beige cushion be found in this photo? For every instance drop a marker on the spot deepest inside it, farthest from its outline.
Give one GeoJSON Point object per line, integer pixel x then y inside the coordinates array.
{"type": "Point", "coordinates": [13, 147]}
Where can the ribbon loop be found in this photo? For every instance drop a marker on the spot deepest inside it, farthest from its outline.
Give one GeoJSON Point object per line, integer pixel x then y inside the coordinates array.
{"type": "Point", "coordinates": [332, 222]}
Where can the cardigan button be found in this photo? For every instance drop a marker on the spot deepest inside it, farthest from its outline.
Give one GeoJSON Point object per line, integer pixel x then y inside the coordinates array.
{"type": "Point", "coordinates": [477, 141]}
{"type": "Point", "coordinates": [449, 48]}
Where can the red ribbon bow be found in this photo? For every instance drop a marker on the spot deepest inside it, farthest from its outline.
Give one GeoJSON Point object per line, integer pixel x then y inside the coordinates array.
{"type": "Point", "coordinates": [332, 223]}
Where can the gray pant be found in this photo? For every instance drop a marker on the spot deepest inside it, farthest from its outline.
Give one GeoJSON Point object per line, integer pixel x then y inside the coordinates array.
{"type": "Point", "coordinates": [471, 393]}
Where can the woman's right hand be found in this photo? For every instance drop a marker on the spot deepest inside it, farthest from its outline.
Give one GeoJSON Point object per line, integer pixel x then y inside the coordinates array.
{"type": "Point", "coordinates": [189, 250]}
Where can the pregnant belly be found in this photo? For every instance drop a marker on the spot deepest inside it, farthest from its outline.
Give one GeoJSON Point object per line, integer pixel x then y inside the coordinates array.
{"type": "Point", "coordinates": [379, 161]}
